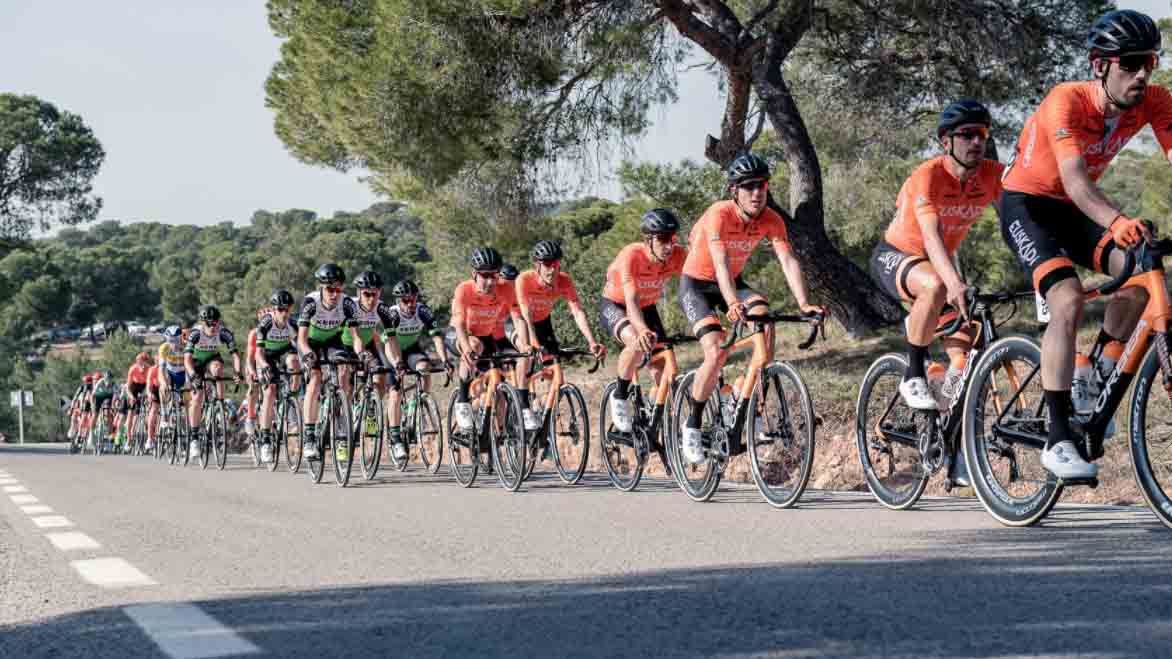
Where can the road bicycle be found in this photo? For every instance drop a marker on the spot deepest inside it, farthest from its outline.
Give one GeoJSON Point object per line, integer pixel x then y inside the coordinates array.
{"type": "Point", "coordinates": [1006, 420]}
{"type": "Point", "coordinates": [900, 449]}
{"type": "Point", "coordinates": [626, 453]}
{"type": "Point", "coordinates": [335, 429]}
{"type": "Point", "coordinates": [369, 421]}
{"type": "Point", "coordinates": [214, 424]}
{"type": "Point", "coordinates": [100, 428]}
{"type": "Point", "coordinates": [422, 427]}
{"type": "Point", "coordinates": [174, 433]}
{"type": "Point", "coordinates": [497, 427]}
{"type": "Point", "coordinates": [771, 400]}
{"type": "Point", "coordinates": [565, 423]}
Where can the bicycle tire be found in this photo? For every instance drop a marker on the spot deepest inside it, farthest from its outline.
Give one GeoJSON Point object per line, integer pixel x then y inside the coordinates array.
{"type": "Point", "coordinates": [508, 437]}
{"type": "Point", "coordinates": [893, 471]}
{"type": "Point", "coordinates": [219, 436]}
{"type": "Point", "coordinates": [290, 420]}
{"type": "Point", "coordinates": [1151, 485]}
{"type": "Point", "coordinates": [459, 444]}
{"type": "Point", "coordinates": [342, 435]}
{"type": "Point", "coordinates": [997, 498]}
{"type": "Point", "coordinates": [796, 406]}
{"type": "Point", "coordinates": [570, 442]}
{"type": "Point", "coordinates": [702, 488]}
{"type": "Point", "coordinates": [370, 411]}
{"type": "Point", "coordinates": [428, 433]}
{"type": "Point", "coordinates": [624, 468]}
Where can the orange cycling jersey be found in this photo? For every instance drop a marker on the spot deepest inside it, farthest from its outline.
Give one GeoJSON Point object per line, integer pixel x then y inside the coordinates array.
{"type": "Point", "coordinates": [137, 374]}
{"type": "Point", "coordinates": [635, 265]}
{"type": "Point", "coordinates": [721, 225]}
{"type": "Point", "coordinates": [1069, 123]}
{"type": "Point", "coordinates": [484, 315]}
{"type": "Point", "coordinates": [540, 298]}
{"type": "Point", "coordinates": [933, 192]}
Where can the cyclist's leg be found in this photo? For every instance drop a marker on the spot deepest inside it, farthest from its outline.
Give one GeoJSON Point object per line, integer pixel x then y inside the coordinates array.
{"type": "Point", "coordinates": [911, 279]}
{"type": "Point", "coordinates": [215, 370]}
{"type": "Point", "coordinates": [701, 302]}
{"type": "Point", "coordinates": [312, 389]}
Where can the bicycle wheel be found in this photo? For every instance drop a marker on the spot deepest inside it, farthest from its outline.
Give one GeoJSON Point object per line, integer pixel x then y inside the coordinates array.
{"type": "Point", "coordinates": [569, 435]}
{"type": "Point", "coordinates": [1007, 472]}
{"type": "Point", "coordinates": [624, 461]}
{"type": "Point", "coordinates": [699, 481]}
{"type": "Point", "coordinates": [254, 444]}
{"type": "Point", "coordinates": [886, 434]}
{"type": "Point", "coordinates": [370, 427]}
{"type": "Point", "coordinates": [342, 434]}
{"type": "Point", "coordinates": [428, 433]}
{"type": "Point", "coordinates": [317, 465]}
{"type": "Point", "coordinates": [781, 435]}
{"type": "Point", "coordinates": [289, 433]}
{"type": "Point", "coordinates": [98, 434]}
{"type": "Point", "coordinates": [507, 434]}
{"type": "Point", "coordinates": [463, 449]}
{"type": "Point", "coordinates": [1150, 440]}
{"type": "Point", "coordinates": [219, 434]}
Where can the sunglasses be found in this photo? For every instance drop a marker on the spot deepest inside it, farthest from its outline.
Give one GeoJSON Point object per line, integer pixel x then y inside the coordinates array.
{"type": "Point", "coordinates": [407, 299]}
{"type": "Point", "coordinates": [368, 293]}
{"type": "Point", "coordinates": [1133, 63]}
{"type": "Point", "coordinates": [282, 309]}
{"type": "Point", "coordinates": [664, 238]}
{"type": "Point", "coordinates": [486, 274]}
{"type": "Point", "coordinates": [754, 185]}
{"type": "Point", "coordinates": [550, 264]}
{"type": "Point", "coordinates": [972, 133]}
{"type": "Point", "coordinates": [334, 289]}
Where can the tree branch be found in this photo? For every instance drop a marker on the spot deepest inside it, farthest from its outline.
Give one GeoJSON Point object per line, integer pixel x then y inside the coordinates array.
{"type": "Point", "coordinates": [753, 22]}
{"type": "Point", "coordinates": [712, 40]}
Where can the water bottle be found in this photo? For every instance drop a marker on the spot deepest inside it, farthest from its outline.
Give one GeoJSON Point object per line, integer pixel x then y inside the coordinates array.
{"type": "Point", "coordinates": [952, 378]}
{"type": "Point", "coordinates": [1080, 386]}
{"type": "Point", "coordinates": [728, 409]}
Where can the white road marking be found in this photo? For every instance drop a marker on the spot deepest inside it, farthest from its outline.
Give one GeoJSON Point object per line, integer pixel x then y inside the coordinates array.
{"type": "Point", "coordinates": [23, 498]}
{"type": "Point", "coordinates": [72, 540]}
{"type": "Point", "coordinates": [8, 481]}
{"type": "Point", "coordinates": [35, 510]}
{"type": "Point", "coordinates": [184, 631]}
{"type": "Point", "coordinates": [13, 489]}
{"type": "Point", "coordinates": [51, 521]}
{"type": "Point", "coordinates": [111, 573]}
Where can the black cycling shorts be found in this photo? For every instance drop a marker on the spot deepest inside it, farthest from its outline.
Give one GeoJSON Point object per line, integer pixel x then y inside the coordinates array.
{"type": "Point", "coordinates": [328, 351]}
{"type": "Point", "coordinates": [202, 367]}
{"type": "Point", "coordinates": [1049, 236]}
{"type": "Point", "coordinates": [701, 299]}
{"type": "Point", "coordinates": [890, 267]}
{"type": "Point", "coordinates": [414, 354]}
{"type": "Point", "coordinates": [612, 316]}
{"type": "Point", "coordinates": [153, 392]}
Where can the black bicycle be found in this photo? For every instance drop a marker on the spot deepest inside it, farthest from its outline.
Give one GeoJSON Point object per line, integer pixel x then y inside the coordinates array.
{"type": "Point", "coordinates": [423, 429]}
{"type": "Point", "coordinates": [900, 448]}
{"type": "Point", "coordinates": [497, 429]}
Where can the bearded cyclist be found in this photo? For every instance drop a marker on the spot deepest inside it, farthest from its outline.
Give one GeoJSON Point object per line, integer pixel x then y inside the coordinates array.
{"type": "Point", "coordinates": [1054, 215]}
{"type": "Point", "coordinates": [721, 243]}
{"type": "Point", "coordinates": [936, 207]}
{"type": "Point", "coordinates": [627, 311]}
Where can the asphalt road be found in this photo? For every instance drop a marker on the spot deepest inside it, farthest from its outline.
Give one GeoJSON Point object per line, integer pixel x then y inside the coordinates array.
{"type": "Point", "coordinates": [124, 557]}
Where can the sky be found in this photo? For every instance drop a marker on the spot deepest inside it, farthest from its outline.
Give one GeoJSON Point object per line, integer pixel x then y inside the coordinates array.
{"type": "Point", "coordinates": [175, 93]}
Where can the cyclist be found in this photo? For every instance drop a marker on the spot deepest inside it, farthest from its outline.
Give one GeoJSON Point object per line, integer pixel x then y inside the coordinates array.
{"type": "Point", "coordinates": [251, 377]}
{"type": "Point", "coordinates": [721, 243]}
{"type": "Point", "coordinates": [325, 315]}
{"type": "Point", "coordinates": [201, 356]}
{"type": "Point", "coordinates": [77, 406]}
{"type": "Point", "coordinates": [152, 382]}
{"type": "Point", "coordinates": [1054, 215]}
{"type": "Point", "coordinates": [538, 290]}
{"type": "Point", "coordinates": [274, 340]}
{"type": "Point", "coordinates": [479, 308]}
{"type": "Point", "coordinates": [936, 207]}
{"type": "Point", "coordinates": [136, 383]}
{"type": "Point", "coordinates": [104, 389]}
{"type": "Point", "coordinates": [413, 319]}
{"type": "Point", "coordinates": [627, 311]}
{"type": "Point", "coordinates": [372, 313]}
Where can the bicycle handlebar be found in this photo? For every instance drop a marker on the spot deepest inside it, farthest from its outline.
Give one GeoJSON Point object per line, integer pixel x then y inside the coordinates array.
{"type": "Point", "coordinates": [576, 352]}
{"type": "Point", "coordinates": [816, 320]}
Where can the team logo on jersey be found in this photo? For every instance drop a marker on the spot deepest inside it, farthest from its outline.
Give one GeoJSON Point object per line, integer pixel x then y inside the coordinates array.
{"type": "Point", "coordinates": [1061, 134]}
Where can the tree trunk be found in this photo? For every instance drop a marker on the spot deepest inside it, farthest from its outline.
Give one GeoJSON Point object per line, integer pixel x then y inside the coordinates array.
{"type": "Point", "coordinates": [833, 280]}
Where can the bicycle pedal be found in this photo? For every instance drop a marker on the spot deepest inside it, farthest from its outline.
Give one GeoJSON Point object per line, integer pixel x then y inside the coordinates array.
{"type": "Point", "coordinates": [1092, 482]}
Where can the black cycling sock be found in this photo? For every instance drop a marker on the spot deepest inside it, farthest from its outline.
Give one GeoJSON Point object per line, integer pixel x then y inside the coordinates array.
{"type": "Point", "coordinates": [462, 395]}
{"type": "Point", "coordinates": [524, 394]}
{"type": "Point", "coordinates": [622, 388]}
{"type": "Point", "coordinates": [916, 356]}
{"type": "Point", "coordinates": [1059, 405]}
{"type": "Point", "coordinates": [696, 415]}
{"type": "Point", "coordinates": [266, 437]}
{"type": "Point", "coordinates": [311, 432]}
{"type": "Point", "coordinates": [396, 435]}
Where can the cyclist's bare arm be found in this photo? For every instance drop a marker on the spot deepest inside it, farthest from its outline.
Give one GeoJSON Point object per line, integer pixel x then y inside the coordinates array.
{"type": "Point", "coordinates": [522, 326]}
{"type": "Point", "coordinates": [440, 348]}
{"type": "Point", "coordinates": [793, 272]}
{"type": "Point", "coordinates": [937, 253]}
{"type": "Point", "coordinates": [634, 311]}
{"type": "Point", "coordinates": [581, 321]}
{"type": "Point", "coordinates": [303, 339]}
{"type": "Point", "coordinates": [724, 278]}
{"type": "Point", "coordinates": [527, 316]}
{"type": "Point", "coordinates": [1085, 193]}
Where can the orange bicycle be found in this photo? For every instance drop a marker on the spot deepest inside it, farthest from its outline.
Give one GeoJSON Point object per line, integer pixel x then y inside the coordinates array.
{"type": "Point", "coordinates": [1006, 422]}
{"type": "Point", "coordinates": [565, 423]}
{"type": "Point", "coordinates": [770, 403]}
{"type": "Point", "coordinates": [497, 427]}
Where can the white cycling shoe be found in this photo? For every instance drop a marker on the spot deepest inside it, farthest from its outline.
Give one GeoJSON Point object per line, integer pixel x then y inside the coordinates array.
{"type": "Point", "coordinates": [530, 420]}
{"type": "Point", "coordinates": [193, 448]}
{"type": "Point", "coordinates": [1063, 461]}
{"type": "Point", "coordinates": [399, 451]}
{"type": "Point", "coordinates": [692, 445]}
{"type": "Point", "coordinates": [916, 394]}
{"type": "Point", "coordinates": [266, 453]}
{"type": "Point", "coordinates": [464, 418]}
{"type": "Point", "coordinates": [621, 413]}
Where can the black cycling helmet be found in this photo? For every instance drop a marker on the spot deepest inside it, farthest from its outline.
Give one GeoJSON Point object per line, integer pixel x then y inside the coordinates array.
{"type": "Point", "coordinates": [509, 272]}
{"type": "Point", "coordinates": [959, 113]}
{"type": "Point", "coordinates": [486, 259]}
{"type": "Point", "coordinates": [659, 220]}
{"type": "Point", "coordinates": [330, 273]}
{"type": "Point", "coordinates": [209, 313]}
{"type": "Point", "coordinates": [1123, 31]}
{"type": "Point", "coordinates": [368, 279]}
{"type": "Point", "coordinates": [747, 167]}
{"type": "Point", "coordinates": [281, 298]}
{"type": "Point", "coordinates": [405, 287]}
{"type": "Point", "coordinates": [547, 250]}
